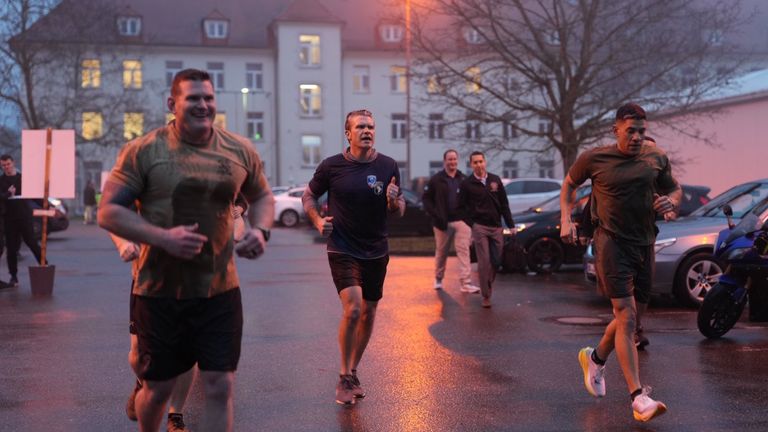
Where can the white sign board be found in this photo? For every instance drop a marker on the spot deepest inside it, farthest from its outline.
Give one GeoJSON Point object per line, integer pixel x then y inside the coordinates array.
{"type": "Point", "coordinates": [62, 173]}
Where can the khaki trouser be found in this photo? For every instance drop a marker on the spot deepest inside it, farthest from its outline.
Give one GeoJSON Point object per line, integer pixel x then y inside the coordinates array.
{"type": "Point", "coordinates": [461, 235]}
{"type": "Point", "coordinates": [488, 248]}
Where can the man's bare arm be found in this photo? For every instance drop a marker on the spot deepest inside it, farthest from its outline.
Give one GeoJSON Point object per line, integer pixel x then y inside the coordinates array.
{"type": "Point", "coordinates": [324, 225]}
{"type": "Point", "coordinates": [568, 231]}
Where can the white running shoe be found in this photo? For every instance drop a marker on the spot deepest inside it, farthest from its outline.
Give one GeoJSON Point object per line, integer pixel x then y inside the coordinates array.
{"type": "Point", "coordinates": [438, 284]}
{"type": "Point", "coordinates": [594, 374]}
{"type": "Point", "coordinates": [469, 288]}
{"type": "Point", "coordinates": [644, 408]}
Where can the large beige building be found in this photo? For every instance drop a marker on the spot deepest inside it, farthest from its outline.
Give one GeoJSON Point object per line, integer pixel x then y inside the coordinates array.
{"type": "Point", "coordinates": [285, 73]}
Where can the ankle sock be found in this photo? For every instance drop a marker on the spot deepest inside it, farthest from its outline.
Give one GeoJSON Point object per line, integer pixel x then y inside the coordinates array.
{"type": "Point", "coordinates": [636, 393]}
{"type": "Point", "coordinates": [597, 359]}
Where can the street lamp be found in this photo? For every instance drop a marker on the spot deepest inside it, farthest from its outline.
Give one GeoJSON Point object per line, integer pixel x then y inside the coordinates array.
{"type": "Point", "coordinates": [408, 165]}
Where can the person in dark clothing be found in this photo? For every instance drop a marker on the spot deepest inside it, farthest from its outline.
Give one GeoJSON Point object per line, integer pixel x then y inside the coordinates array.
{"type": "Point", "coordinates": [483, 199]}
{"type": "Point", "coordinates": [4, 194]}
{"type": "Point", "coordinates": [362, 192]}
{"type": "Point", "coordinates": [18, 218]}
{"type": "Point", "coordinates": [441, 202]}
{"type": "Point", "coordinates": [89, 201]}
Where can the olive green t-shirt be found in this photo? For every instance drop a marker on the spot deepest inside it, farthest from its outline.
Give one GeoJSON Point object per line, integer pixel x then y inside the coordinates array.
{"type": "Point", "coordinates": [623, 188]}
{"type": "Point", "coordinates": [179, 183]}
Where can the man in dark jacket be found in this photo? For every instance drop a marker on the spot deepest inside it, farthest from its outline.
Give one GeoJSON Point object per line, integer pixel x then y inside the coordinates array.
{"type": "Point", "coordinates": [441, 202]}
{"type": "Point", "coordinates": [484, 201]}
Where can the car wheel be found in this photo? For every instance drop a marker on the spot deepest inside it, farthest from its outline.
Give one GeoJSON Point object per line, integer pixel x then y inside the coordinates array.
{"type": "Point", "coordinates": [289, 218]}
{"type": "Point", "coordinates": [545, 255]}
{"type": "Point", "coordinates": [695, 278]}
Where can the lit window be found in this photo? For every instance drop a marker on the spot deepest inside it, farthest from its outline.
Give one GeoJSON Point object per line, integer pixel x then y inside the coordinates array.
{"type": "Point", "coordinates": [129, 26]}
{"type": "Point", "coordinates": [216, 29]}
{"type": "Point", "coordinates": [392, 33]}
{"type": "Point", "coordinates": [310, 147]}
{"type": "Point", "coordinates": [310, 99]}
{"type": "Point", "coordinates": [433, 84]}
{"type": "Point", "coordinates": [255, 126]}
{"type": "Point", "coordinates": [254, 78]}
{"type": "Point", "coordinates": [436, 126]}
{"type": "Point", "coordinates": [472, 36]}
{"type": "Point", "coordinates": [93, 125]}
{"type": "Point", "coordinates": [399, 126]}
{"type": "Point", "coordinates": [172, 67]}
{"type": "Point", "coordinates": [361, 77]}
{"type": "Point", "coordinates": [216, 70]}
{"type": "Point", "coordinates": [132, 74]}
{"type": "Point", "coordinates": [91, 73]}
{"type": "Point", "coordinates": [221, 120]}
{"type": "Point", "coordinates": [397, 79]}
{"type": "Point", "coordinates": [133, 125]}
{"type": "Point", "coordinates": [309, 50]}
{"type": "Point", "coordinates": [473, 79]}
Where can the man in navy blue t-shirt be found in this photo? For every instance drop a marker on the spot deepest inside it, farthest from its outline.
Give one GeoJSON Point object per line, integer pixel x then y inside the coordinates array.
{"type": "Point", "coordinates": [362, 192]}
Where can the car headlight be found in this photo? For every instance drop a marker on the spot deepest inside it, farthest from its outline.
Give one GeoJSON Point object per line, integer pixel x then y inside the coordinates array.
{"type": "Point", "coordinates": [737, 253]}
{"type": "Point", "coordinates": [664, 243]}
{"type": "Point", "coordinates": [524, 226]}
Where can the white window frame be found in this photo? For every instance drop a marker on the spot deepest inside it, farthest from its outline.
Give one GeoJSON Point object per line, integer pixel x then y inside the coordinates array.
{"type": "Point", "coordinates": [216, 70]}
{"type": "Point", "coordinates": [254, 124]}
{"type": "Point", "coordinates": [172, 67]}
{"type": "Point", "coordinates": [311, 149]}
{"type": "Point", "coordinates": [309, 50]}
{"type": "Point", "coordinates": [129, 25]}
{"type": "Point", "coordinates": [472, 36]}
{"type": "Point", "coordinates": [133, 77]}
{"type": "Point", "coordinates": [510, 169]}
{"type": "Point", "coordinates": [361, 79]}
{"type": "Point", "coordinates": [216, 29]}
{"type": "Point", "coordinates": [472, 129]}
{"type": "Point", "coordinates": [399, 126]}
{"type": "Point", "coordinates": [310, 96]}
{"type": "Point", "coordinates": [547, 168]}
{"type": "Point", "coordinates": [436, 126]}
{"type": "Point", "coordinates": [398, 80]}
{"type": "Point", "coordinates": [254, 76]}
{"type": "Point", "coordinates": [391, 33]}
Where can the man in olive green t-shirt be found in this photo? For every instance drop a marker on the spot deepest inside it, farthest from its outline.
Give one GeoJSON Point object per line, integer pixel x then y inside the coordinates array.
{"type": "Point", "coordinates": [185, 304]}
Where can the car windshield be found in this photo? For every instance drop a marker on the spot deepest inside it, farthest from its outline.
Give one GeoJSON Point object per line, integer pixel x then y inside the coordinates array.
{"type": "Point", "coordinates": [742, 199]}
{"type": "Point", "coordinates": [553, 204]}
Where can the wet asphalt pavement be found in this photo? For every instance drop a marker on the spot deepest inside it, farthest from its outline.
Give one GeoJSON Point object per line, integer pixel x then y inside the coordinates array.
{"type": "Point", "coordinates": [437, 361]}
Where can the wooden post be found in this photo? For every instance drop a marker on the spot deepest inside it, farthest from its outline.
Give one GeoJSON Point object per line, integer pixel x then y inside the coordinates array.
{"type": "Point", "coordinates": [48, 148]}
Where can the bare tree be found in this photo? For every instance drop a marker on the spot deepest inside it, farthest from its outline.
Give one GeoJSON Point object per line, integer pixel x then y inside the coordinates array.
{"type": "Point", "coordinates": [42, 58]}
{"type": "Point", "coordinates": [544, 74]}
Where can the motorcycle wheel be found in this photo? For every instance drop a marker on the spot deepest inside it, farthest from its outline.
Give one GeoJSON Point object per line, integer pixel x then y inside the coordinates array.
{"type": "Point", "coordinates": [720, 311]}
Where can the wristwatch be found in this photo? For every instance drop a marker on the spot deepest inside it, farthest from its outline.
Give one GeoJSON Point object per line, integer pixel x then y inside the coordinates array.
{"type": "Point", "coordinates": [265, 232]}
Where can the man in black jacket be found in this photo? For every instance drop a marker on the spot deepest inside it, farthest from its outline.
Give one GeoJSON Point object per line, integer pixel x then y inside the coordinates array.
{"type": "Point", "coordinates": [441, 202]}
{"type": "Point", "coordinates": [483, 200]}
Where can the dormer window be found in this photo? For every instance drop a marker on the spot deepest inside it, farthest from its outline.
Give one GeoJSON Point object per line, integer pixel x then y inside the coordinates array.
{"type": "Point", "coordinates": [129, 26]}
{"type": "Point", "coordinates": [472, 36]}
{"type": "Point", "coordinates": [392, 33]}
{"type": "Point", "coordinates": [216, 29]}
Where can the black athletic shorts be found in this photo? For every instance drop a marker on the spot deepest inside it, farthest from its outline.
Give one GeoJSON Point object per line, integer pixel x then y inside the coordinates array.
{"type": "Point", "coordinates": [623, 270]}
{"type": "Point", "coordinates": [369, 274]}
{"type": "Point", "coordinates": [175, 334]}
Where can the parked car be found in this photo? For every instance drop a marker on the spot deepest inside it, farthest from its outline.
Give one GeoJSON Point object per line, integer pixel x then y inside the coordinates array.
{"type": "Point", "coordinates": [59, 221]}
{"type": "Point", "coordinates": [685, 266]}
{"type": "Point", "coordinates": [288, 208]}
{"type": "Point", "coordinates": [538, 231]}
{"type": "Point", "coordinates": [414, 222]}
{"type": "Point", "coordinates": [524, 193]}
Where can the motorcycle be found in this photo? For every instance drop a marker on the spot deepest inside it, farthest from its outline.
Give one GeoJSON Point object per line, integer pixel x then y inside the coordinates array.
{"type": "Point", "coordinates": [744, 249]}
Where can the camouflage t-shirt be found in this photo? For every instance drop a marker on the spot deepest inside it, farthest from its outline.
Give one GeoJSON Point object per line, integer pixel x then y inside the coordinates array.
{"type": "Point", "coordinates": [623, 188]}
{"type": "Point", "coordinates": [179, 183]}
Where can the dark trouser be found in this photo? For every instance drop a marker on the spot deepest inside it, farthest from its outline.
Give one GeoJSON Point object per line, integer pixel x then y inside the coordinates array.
{"type": "Point", "coordinates": [15, 231]}
{"type": "Point", "coordinates": [488, 246]}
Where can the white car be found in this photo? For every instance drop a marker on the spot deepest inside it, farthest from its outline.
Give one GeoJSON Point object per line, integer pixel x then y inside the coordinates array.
{"type": "Point", "coordinates": [288, 208]}
{"type": "Point", "coordinates": [524, 193]}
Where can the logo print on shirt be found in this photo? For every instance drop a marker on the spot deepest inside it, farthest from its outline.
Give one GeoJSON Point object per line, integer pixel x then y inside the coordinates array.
{"type": "Point", "coordinates": [371, 179]}
{"type": "Point", "coordinates": [378, 188]}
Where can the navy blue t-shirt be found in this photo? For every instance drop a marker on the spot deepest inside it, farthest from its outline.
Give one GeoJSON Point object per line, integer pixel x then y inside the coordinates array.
{"type": "Point", "coordinates": [357, 201]}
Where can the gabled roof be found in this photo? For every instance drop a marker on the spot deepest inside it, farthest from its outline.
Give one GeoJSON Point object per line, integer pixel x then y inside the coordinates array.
{"type": "Point", "coordinates": [308, 11]}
